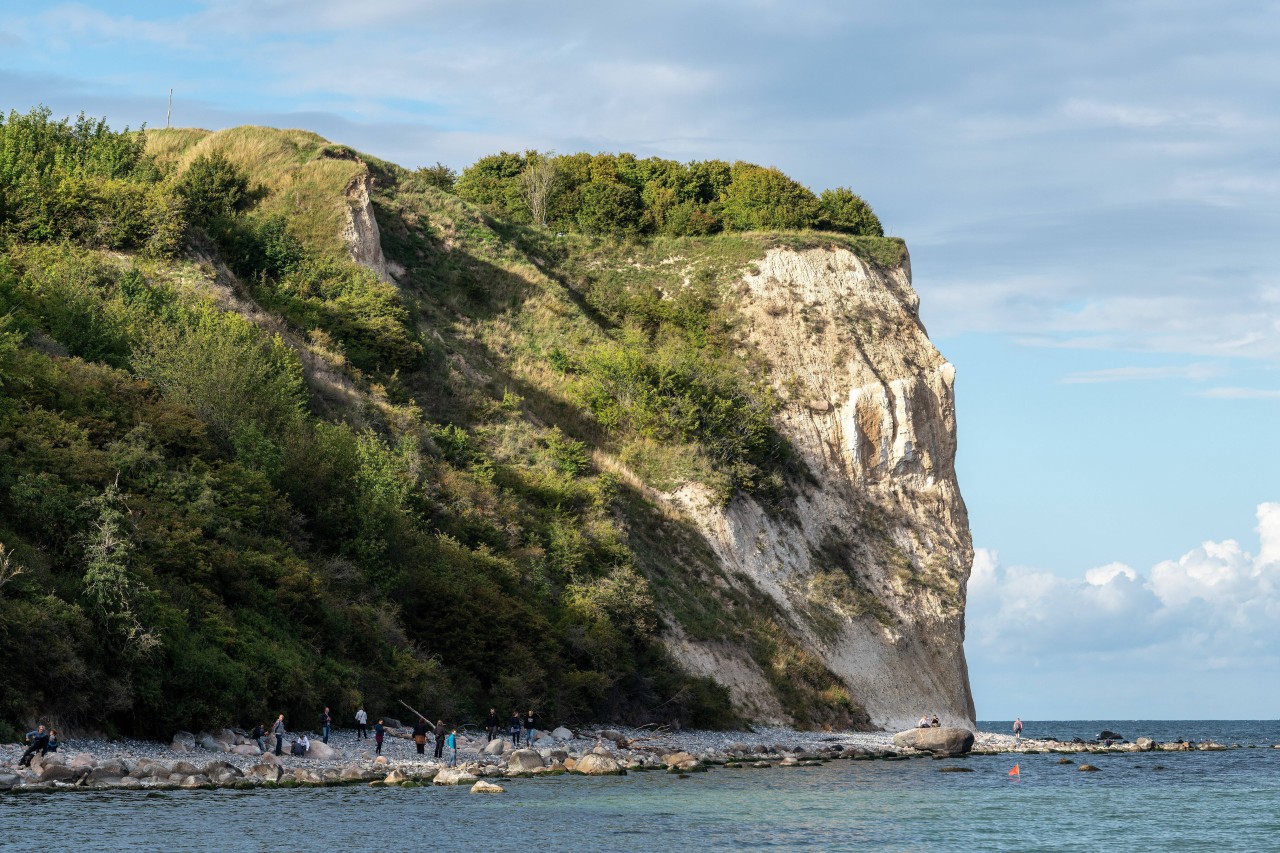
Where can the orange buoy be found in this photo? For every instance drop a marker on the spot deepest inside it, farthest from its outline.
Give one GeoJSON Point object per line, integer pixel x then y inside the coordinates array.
{"type": "Point", "coordinates": [1015, 771]}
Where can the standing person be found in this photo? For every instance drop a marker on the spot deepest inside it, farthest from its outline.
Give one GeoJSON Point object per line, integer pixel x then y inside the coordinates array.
{"type": "Point", "coordinates": [452, 743]}
{"type": "Point", "coordinates": [277, 729]}
{"type": "Point", "coordinates": [1017, 729]}
{"type": "Point", "coordinates": [378, 732]}
{"type": "Point", "coordinates": [514, 728]}
{"type": "Point", "coordinates": [491, 723]}
{"type": "Point", "coordinates": [37, 740]}
{"type": "Point", "coordinates": [362, 724]}
{"type": "Point", "coordinates": [259, 732]}
{"type": "Point", "coordinates": [326, 724]}
{"type": "Point", "coordinates": [420, 730]}
{"type": "Point", "coordinates": [439, 733]}
{"type": "Point", "coordinates": [530, 728]}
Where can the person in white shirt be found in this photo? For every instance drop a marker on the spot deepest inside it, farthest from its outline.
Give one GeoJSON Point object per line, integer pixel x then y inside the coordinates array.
{"type": "Point", "coordinates": [362, 724]}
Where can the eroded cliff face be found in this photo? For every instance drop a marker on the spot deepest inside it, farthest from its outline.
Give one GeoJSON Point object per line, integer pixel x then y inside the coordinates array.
{"type": "Point", "coordinates": [361, 232]}
{"type": "Point", "coordinates": [868, 560]}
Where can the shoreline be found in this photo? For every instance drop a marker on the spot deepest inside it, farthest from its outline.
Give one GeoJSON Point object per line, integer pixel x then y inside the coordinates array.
{"type": "Point", "coordinates": [99, 764]}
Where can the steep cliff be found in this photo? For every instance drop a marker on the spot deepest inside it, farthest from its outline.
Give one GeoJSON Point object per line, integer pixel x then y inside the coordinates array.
{"type": "Point", "coordinates": [867, 560]}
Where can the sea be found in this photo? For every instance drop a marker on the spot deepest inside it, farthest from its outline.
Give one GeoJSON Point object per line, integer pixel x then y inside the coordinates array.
{"type": "Point", "coordinates": [1186, 801]}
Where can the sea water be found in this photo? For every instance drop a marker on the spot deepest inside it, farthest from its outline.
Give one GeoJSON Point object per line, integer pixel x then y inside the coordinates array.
{"type": "Point", "coordinates": [1197, 801]}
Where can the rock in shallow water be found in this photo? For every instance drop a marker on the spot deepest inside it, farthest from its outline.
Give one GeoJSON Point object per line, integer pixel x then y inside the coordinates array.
{"type": "Point", "coordinates": [940, 741]}
{"type": "Point", "coordinates": [483, 787]}
{"type": "Point", "coordinates": [592, 764]}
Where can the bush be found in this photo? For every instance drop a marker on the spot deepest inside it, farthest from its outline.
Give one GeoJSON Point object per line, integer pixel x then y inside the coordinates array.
{"type": "Point", "coordinates": [842, 210]}
{"type": "Point", "coordinates": [213, 188]}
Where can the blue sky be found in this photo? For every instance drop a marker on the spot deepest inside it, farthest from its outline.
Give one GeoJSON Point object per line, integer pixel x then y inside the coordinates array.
{"type": "Point", "coordinates": [1090, 192]}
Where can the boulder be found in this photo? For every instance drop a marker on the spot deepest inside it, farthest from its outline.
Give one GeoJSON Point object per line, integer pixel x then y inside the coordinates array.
{"type": "Point", "coordinates": [381, 759]}
{"type": "Point", "coordinates": [939, 741]}
{"type": "Point", "coordinates": [561, 733]}
{"type": "Point", "coordinates": [525, 760]}
{"type": "Point", "coordinates": [351, 774]}
{"type": "Point", "coordinates": [320, 750]}
{"type": "Point", "coordinates": [183, 742]}
{"type": "Point", "coordinates": [1107, 734]}
{"type": "Point", "coordinates": [207, 741]}
{"type": "Point", "coordinates": [483, 787]}
{"type": "Point", "coordinates": [613, 735]}
{"type": "Point", "coordinates": [395, 777]}
{"type": "Point", "coordinates": [392, 723]}
{"type": "Point", "coordinates": [554, 755]}
{"type": "Point", "coordinates": [58, 773]}
{"type": "Point", "coordinates": [79, 761]}
{"type": "Point", "coordinates": [1145, 744]}
{"type": "Point", "coordinates": [454, 776]}
{"type": "Point", "coordinates": [1087, 768]}
{"type": "Point", "coordinates": [225, 776]}
{"type": "Point", "coordinates": [129, 782]}
{"type": "Point", "coordinates": [680, 760]}
{"type": "Point", "coordinates": [213, 767]}
{"type": "Point", "coordinates": [199, 780]}
{"type": "Point", "coordinates": [496, 747]}
{"type": "Point", "coordinates": [570, 763]}
{"type": "Point", "coordinates": [592, 764]}
{"type": "Point", "coordinates": [307, 777]}
{"type": "Point", "coordinates": [266, 772]}
{"type": "Point", "coordinates": [249, 749]}
{"type": "Point", "coordinates": [8, 780]}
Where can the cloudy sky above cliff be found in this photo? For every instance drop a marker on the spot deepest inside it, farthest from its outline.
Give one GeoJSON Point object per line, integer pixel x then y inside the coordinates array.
{"type": "Point", "coordinates": [1090, 191]}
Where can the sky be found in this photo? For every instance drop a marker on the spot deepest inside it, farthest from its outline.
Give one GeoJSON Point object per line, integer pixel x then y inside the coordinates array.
{"type": "Point", "coordinates": [1090, 192]}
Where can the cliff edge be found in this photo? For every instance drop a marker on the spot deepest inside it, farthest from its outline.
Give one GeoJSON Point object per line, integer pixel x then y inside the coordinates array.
{"type": "Point", "coordinates": [867, 559]}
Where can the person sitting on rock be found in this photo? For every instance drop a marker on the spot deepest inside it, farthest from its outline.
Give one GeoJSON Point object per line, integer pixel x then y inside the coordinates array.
{"type": "Point", "coordinates": [924, 722]}
{"type": "Point", "coordinates": [297, 747]}
{"type": "Point", "coordinates": [52, 745]}
{"type": "Point", "coordinates": [935, 722]}
{"type": "Point", "coordinates": [37, 740]}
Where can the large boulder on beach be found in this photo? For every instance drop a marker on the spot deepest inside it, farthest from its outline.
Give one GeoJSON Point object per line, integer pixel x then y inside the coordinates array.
{"type": "Point", "coordinates": [592, 764]}
{"type": "Point", "coordinates": [454, 776]}
{"type": "Point", "coordinates": [483, 787]}
{"type": "Point", "coordinates": [496, 747]}
{"type": "Point", "coordinates": [525, 760]}
{"type": "Point", "coordinates": [939, 741]}
{"type": "Point", "coordinates": [320, 750]}
{"type": "Point", "coordinates": [1145, 744]}
{"type": "Point", "coordinates": [58, 773]}
{"type": "Point", "coordinates": [392, 723]}
{"type": "Point", "coordinates": [680, 760]}
{"type": "Point", "coordinates": [249, 749]}
{"type": "Point", "coordinates": [183, 742]}
{"type": "Point", "coordinates": [266, 772]}
{"type": "Point", "coordinates": [561, 733]}
{"type": "Point", "coordinates": [351, 774]}
{"type": "Point", "coordinates": [197, 781]}
{"type": "Point", "coordinates": [8, 780]}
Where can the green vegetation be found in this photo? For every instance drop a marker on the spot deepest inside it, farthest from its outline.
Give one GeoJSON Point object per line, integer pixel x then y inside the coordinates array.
{"type": "Point", "coordinates": [622, 196]}
{"type": "Point", "coordinates": [240, 474]}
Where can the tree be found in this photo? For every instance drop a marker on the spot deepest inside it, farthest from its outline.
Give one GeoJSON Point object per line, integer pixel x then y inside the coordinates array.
{"type": "Point", "coordinates": [537, 183]}
{"type": "Point", "coordinates": [843, 210]}
{"type": "Point", "coordinates": [608, 207]}
{"type": "Point", "coordinates": [112, 592]}
{"type": "Point", "coordinates": [761, 199]}
{"type": "Point", "coordinates": [494, 183]}
{"type": "Point", "coordinates": [213, 187]}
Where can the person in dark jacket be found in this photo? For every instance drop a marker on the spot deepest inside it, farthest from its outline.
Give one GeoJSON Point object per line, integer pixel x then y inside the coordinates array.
{"type": "Point", "coordinates": [378, 733]}
{"type": "Point", "coordinates": [326, 724]}
{"type": "Point", "coordinates": [259, 732]}
{"type": "Point", "coordinates": [277, 729]}
{"type": "Point", "coordinates": [491, 723]}
{"type": "Point", "coordinates": [52, 745]}
{"type": "Point", "coordinates": [530, 728]}
{"type": "Point", "coordinates": [420, 730]}
{"type": "Point", "coordinates": [440, 730]}
{"type": "Point", "coordinates": [513, 728]}
{"type": "Point", "coordinates": [37, 740]}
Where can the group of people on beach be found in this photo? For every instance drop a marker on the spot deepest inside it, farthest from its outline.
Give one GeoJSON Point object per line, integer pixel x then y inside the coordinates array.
{"type": "Point", "coordinates": [926, 723]}
{"type": "Point", "coordinates": [41, 740]}
{"type": "Point", "coordinates": [443, 737]}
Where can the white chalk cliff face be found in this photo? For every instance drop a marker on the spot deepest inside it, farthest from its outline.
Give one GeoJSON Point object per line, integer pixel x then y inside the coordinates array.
{"type": "Point", "coordinates": [361, 232]}
{"type": "Point", "coordinates": [869, 562]}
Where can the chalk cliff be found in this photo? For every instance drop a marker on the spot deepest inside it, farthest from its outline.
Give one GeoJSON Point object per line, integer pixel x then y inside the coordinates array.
{"type": "Point", "coordinates": [868, 559]}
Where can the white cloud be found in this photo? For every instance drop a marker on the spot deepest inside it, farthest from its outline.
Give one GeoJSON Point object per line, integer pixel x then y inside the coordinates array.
{"type": "Point", "coordinates": [1240, 393]}
{"type": "Point", "coordinates": [1216, 602]}
{"type": "Point", "coordinates": [1127, 374]}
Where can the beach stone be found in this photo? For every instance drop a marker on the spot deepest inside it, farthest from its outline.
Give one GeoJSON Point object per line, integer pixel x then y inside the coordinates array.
{"type": "Point", "coordinates": [592, 764]}
{"type": "Point", "coordinates": [8, 780]}
{"type": "Point", "coordinates": [1145, 744]}
{"type": "Point", "coordinates": [206, 741]}
{"type": "Point", "coordinates": [561, 733]}
{"type": "Point", "coordinates": [392, 723]}
{"type": "Point", "coordinates": [681, 760]}
{"type": "Point", "coordinates": [80, 760]}
{"type": "Point", "coordinates": [199, 780]}
{"type": "Point", "coordinates": [395, 777]}
{"type": "Point", "coordinates": [266, 772]}
{"type": "Point", "coordinates": [225, 776]}
{"type": "Point", "coordinates": [525, 760]}
{"type": "Point", "coordinates": [556, 755]}
{"type": "Point", "coordinates": [320, 750]}
{"type": "Point", "coordinates": [600, 750]}
{"type": "Point", "coordinates": [381, 759]}
{"type": "Point", "coordinates": [613, 735]}
{"type": "Point", "coordinates": [185, 768]}
{"type": "Point", "coordinates": [351, 774]}
{"type": "Point", "coordinates": [1107, 734]}
{"type": "Point", "coordinates": [483, 787]}
{"type": "Point", "coordinates": [454, 776]}
{"type": "Point", "coordinates": [1087, 768]}
{"type": "Point", "coordinates": [183, 742]}
{"type": "Point", "coordinates": [570, 764]}
{"type": "Point", "coordinates": [249, 749]}
{"type": "Point", "coordinates": [496, 747]}
{"type": "Point", "coordinates": [307, 777]}
{"type": "Point", "coordinates": [128, 782]}
{"type": "Point", "coordinates": [57, 773]}
{"type": "Point", "coordinates": [940, 741]}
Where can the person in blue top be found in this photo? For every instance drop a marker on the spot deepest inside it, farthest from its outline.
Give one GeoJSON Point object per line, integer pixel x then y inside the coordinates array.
{"type": "Point", "coordinates": [38, 741]}
{"type": "Point", "coordinates": [326, 724]}
{"type": "Point", "coordinates": [52, 745]}
{"type": "Point", "coordinates": [452, 742]}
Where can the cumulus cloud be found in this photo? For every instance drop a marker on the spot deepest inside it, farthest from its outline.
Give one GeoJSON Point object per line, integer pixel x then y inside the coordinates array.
{"type": "Point", "coordinates": [1217, 605]}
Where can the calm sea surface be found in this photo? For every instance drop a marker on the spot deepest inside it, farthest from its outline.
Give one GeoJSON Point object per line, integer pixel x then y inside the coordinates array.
{"type": "Point", "coordinates": [1208, 801]}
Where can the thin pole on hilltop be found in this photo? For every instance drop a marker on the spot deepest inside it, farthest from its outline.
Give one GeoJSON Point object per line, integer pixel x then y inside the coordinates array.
{"type": "Point", "coordinates": [169, 111]}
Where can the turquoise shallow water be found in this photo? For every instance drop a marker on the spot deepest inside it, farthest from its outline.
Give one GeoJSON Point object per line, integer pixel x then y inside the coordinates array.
{"type": "Point", "coordinates": [1177, 802]}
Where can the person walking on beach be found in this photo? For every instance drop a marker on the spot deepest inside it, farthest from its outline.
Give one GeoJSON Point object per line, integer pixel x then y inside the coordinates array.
{"type": "Point", "coordinates": [378, 731]}
{"type": "Point", "coordinates": [37, 741]}
{"type": "Point", "coordinates": [278, 730]}
{"type": "Point", "coordinates": [530, 728]}
{"type": "Point", "coordinates": [452, 742]}
{"type": "Point", "coordinates": [326, 724]}
{"type": "Point", "coordinates": [439, 733]}
{"type": "Point", "coordinates": [420, 730]}
{"type": "Point", "coordinates": [362, 724]}
{"type": "Point", "coordinates": [491, 723]}
{"type": "Point", "coordinates": [1017, 729]}
{"type": "Point", "coordinates": [259, 732]}
{"type": "Point", "coordinates": [514, 728]}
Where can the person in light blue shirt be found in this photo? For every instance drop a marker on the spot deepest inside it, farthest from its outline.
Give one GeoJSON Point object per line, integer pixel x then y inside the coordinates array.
{"type": "Point", "coordinates": [452, 742]}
